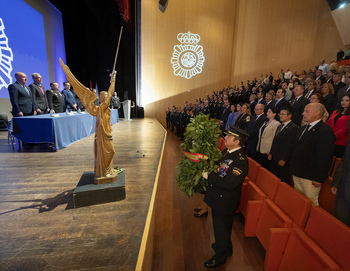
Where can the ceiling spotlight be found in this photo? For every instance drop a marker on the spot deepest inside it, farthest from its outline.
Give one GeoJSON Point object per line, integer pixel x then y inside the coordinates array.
{"type": "Point", "coordinates": [342, 5]}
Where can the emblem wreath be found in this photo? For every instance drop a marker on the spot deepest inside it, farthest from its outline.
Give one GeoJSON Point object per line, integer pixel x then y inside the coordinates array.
{"type": "Point", "coordinates": [201, 136]}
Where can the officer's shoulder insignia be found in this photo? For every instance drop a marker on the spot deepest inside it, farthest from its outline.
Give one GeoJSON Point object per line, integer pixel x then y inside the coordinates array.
{"type": "Point", "coordinates": [236, 171]}
{"type": "Point", "coordinates": [248, 118]}
{"type": "Point", "coordinates": [241, 157]}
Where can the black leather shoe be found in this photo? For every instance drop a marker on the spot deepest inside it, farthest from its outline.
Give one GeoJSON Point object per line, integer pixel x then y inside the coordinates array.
{"type": "Point", "coordinates": [213, 263]}
{"type": "Point", "coordinates": [201, 215]}
{"type": "Point", "coordinates": [197, 209]}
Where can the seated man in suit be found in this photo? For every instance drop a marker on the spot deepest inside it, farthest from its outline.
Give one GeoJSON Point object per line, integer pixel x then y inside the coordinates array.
{"type": "Point", "coordinates": [282, 145]}
{"type": "Point", "coordinates": [298, 104]}
{"type": "Point", "coordinates": [55, 98]}
{"type": "Point", "coordinates": [312, 153]}
{"type": "Point", "coordinates": [281, 102]}
{"type": "Point", "coordinates": [21, 97]}
{"type": "Point", "coordinates": [70, 102]}
{"type": "Point", "coordinates": [39, 96]}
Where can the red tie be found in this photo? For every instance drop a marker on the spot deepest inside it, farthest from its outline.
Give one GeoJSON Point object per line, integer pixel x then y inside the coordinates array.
{"type": "Point", "coordinates": [41, 89]}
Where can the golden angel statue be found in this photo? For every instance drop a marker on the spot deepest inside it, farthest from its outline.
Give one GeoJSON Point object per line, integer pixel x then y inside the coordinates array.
{"type": "Point", "coordinates": [103, 144]}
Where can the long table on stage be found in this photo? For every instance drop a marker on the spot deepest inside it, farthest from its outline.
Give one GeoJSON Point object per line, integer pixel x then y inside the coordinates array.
{"type": "Point", "coordinates": [61, 131]}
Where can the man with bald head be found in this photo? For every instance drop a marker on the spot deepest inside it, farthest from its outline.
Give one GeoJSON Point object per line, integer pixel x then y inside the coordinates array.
{"type": "Point", "coordinates": [39, 95]}
{"type": "Point", "coordinates": [313, 153]}
{"type": "Point", "coordinates": [21, 97]}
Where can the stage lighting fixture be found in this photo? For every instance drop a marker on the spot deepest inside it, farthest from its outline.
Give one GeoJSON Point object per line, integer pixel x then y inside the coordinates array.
{"type": "Point", "coordinates": [342, 5]}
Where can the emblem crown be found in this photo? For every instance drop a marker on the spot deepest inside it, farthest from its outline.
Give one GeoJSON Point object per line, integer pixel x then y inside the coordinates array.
{"type": "Point", "coordinates": [188, 37]}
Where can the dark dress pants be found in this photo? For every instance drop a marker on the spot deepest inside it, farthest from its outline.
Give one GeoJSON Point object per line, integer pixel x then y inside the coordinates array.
{"type": "Point", "coordinates": [222, 225]}
{"type": "Point", "coordinates": [281, 172]}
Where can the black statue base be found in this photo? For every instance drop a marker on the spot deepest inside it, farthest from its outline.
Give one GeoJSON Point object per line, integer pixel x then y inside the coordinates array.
{"type": "Point", "coordinates": [88, 193]}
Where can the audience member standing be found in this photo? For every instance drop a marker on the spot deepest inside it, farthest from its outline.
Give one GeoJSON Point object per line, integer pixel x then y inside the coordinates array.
{"type": "Point", "coordinates": [70, 102]}
{"type": "Point", "coordinates": [327, 92]}
{"type": "Point", "coordinates": [313, 153]}
{"type": "Point", "coordinates": [338, 122]}
{"type": "Point", "coordinates": [244, 119]}
{"type": "Point", "coordinates": [337, 83]}
{"type": "Point", "coordinates": [266, 134]}
{"type": "Point", "coordinates": [39, 95]}
{"type": "Point", "coordinates": [344, 90]}
{"type": "Point", "coordinates": [311, 89]}
{"type": "Point", "coordinates": [231, 117]}
{"type": "Point", "coordinates": [253, 130]}
{"type": "Point", "coordinates": [55, 98]}
{"type": "Point", "coordinates": [224, 116]}
{"type": "Point", "coordinates": [281, 102]}
{"type": "Point", "coordinates": [319, 76]}
{"type": "Point", "coordinates": [289, 93]}
{"type": "Point", "coordinates": [282, 145]}
{"type": "Point", "coordinates": [298, 104]}
{"type": "Point", "coordinates": [324, 67]}
{"type": "Point", "coordinates": [341, 187]}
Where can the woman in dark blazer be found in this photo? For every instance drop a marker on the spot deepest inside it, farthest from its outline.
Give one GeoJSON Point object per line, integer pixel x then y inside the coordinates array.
{"type": "Point", "coordinates": [338, 121]}
{"type": "Point", "coordinates": [245, 118]}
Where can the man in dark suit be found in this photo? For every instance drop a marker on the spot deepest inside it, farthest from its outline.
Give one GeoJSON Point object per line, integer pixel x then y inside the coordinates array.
{"type": "Point", "coordinates": [337, 83]}
{"type": "Point", "coordinates": [253, 130]}
{"type": "Point", "coordinates": [341, 186]}
{"type": "Point", "coordinates": [269, 98]}
{"type": "Point", "coordinates": [344, 90]}
{"type": "Point", "coordinates": [39, 96]}
{"type": "Point", "coordinates": [260, 96]}
{"type": "Point", "coordinates": [298, 104]}
{"type": "Point", "coordinates": [224, 193]}
{"type": "Point", "coordinates": [281, 102]}
{"type": "Point", "coordinates": [282, 145]}
{"type": "Point", "coordinates": [312, 153]}
{"type": "Point", "coordinates": [55, 98]}
{"type": "Point", "coordinates": [311, 89]}
{"type": "Point", "coordinates": [70, 102]}
{"type": "Point", "coordinates": [224, 115]}
{"type": "Point", "coordinates": [319, 76]}
{"type": "Point", "coordinates": [21, 97]}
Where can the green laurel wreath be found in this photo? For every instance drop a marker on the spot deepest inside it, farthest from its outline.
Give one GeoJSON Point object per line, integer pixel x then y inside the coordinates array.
{"type": "Point", "coordinates": [201, 136]}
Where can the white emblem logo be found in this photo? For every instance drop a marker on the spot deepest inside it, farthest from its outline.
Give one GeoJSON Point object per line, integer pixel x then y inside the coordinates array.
{"type": "Point", "coordinates": [6, 57]}
{"type": "Point", "coordinates": [187, 57]}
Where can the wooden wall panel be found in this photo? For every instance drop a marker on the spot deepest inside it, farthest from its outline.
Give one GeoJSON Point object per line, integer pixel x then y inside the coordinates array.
{"type": "Point", "coordinates": [342, 20]}
{"type": "Point", "coordinates": [241, 40]}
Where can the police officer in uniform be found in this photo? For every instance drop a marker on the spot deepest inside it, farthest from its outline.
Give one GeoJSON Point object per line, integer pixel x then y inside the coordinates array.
{"type": "Point", "coordinates": [223, 193]}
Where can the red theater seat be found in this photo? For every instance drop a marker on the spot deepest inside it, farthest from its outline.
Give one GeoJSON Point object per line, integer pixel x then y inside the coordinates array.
{"type": "Point", "coordinates": [253, 170]}
{"type": "Point", "coordinates": [253, 196]}
{"type": "Point", "coordinates": [331, 235]}
{"type": "Point", "coordinates": [323, 245]}
{"type": "Point", "coordinates": [303, 254]}
{"type": "Point", "coordinates": [326, 198]}
{"type": "Point", "coordinates": [221, 144]}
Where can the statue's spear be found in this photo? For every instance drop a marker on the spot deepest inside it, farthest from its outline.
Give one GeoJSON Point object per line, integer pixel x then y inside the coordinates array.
{"type": "Point", "coordinates": [116, 55]}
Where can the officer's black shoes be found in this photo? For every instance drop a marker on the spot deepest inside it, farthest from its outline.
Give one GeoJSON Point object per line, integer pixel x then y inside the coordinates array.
{"type": "Point", "coordinates": [212, 263]}
{"type": "Point", "coordinates": [202, 214]}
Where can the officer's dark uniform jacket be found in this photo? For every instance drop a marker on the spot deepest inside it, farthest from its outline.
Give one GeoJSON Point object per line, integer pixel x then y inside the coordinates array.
{"type": "Point", "coordinates": [224, 187]}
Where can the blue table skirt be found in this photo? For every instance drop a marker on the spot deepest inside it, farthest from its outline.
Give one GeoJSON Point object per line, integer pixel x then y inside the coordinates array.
{"type": "Point", "coordinates": [62, 130]}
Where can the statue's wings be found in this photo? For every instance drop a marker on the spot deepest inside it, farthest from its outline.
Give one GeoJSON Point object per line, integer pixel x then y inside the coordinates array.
{"type": "Point", "coordinates": [86, 96]}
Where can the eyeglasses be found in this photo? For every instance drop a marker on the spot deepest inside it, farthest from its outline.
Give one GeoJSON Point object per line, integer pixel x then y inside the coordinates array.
{"type": "Point", "coordinates": [282, 114]}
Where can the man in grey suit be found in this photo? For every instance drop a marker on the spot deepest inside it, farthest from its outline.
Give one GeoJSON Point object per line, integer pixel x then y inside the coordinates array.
{"type": "Point", "coordinates": [21, 97]}
{"type": "Point", "coordinates": [38, 93]}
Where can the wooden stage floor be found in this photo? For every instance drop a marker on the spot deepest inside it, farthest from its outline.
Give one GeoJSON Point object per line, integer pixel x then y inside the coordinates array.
{"type": "Point", "coordinates": [40, 229]}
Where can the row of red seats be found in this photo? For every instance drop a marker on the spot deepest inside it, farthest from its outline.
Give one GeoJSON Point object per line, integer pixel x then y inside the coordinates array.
{"type": "Point", "coordinates": [277, 214]}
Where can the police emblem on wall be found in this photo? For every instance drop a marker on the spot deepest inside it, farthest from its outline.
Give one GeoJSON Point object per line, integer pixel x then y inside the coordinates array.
{"type": "Point", "coordinates": [187, 57]}
{"type": "Point", "coordinates": [6, 57]}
